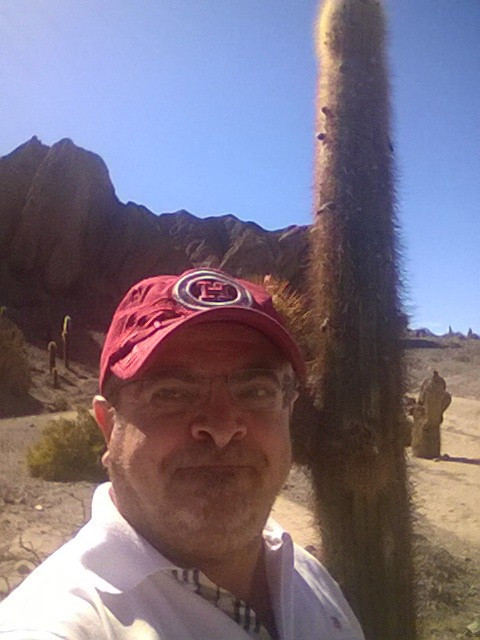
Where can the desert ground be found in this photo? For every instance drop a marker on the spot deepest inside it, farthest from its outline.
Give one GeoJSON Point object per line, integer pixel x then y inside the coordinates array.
{"type": "Point", "coordinates": [37, 516]}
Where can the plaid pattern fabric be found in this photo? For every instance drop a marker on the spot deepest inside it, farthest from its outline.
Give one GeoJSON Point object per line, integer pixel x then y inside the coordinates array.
{"type": "Point", "coordinates": [236, 609]}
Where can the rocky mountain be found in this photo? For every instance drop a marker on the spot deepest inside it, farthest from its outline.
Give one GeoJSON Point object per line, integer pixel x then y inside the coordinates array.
{"type": "Point", "coordinates": [69, 246]}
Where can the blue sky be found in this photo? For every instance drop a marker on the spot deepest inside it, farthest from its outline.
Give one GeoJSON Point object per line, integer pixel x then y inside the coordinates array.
{"type": "Point", "coordinates": [209, 106]}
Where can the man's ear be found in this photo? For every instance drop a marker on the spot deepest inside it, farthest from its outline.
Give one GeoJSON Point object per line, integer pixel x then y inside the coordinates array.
{"type": "Point", "coordinates": [104, 415]}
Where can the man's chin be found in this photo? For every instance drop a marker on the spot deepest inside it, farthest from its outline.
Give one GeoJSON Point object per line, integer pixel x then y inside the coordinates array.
{"type": "Point", "coordinates": [216, 540]}
{"type": "Point", "coordinates": [221, 525]}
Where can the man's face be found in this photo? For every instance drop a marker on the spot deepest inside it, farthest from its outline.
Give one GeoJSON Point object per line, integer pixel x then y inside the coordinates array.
{"type": "Point", "coordinates": [198, 480]}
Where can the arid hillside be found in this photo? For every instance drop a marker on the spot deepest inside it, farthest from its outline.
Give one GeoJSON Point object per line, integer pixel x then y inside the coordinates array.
{"type": "Point", "coordinates": [69, 246]}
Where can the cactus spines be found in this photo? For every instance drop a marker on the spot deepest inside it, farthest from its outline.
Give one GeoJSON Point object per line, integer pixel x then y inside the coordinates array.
{"type": "Point", "coordinates": [358, 466]}
{"type": "Point", "coordinates": [52, 354]}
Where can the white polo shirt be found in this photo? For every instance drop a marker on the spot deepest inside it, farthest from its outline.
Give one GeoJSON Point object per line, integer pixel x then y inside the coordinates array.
{"type": "Point", "coordinates": [110, 583]}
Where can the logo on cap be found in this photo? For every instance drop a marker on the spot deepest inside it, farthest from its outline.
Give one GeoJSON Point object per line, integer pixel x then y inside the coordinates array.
{"type": "Point", "coordinates": [207, 289]}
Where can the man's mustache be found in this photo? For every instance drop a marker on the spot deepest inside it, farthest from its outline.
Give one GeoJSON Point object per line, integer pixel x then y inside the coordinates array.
{"type": "Point", "coordinates": [206, 454]}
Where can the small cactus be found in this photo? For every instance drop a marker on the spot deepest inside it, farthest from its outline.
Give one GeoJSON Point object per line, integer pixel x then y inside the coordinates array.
{"type": "Point", "coordinates": [55, 377]}
{"type": "Point", "coordinates": [66, 348]}
{"type": "Point", "coordinates": [67, 323]}
{"type": "Point", "coordinates": [52, 354]}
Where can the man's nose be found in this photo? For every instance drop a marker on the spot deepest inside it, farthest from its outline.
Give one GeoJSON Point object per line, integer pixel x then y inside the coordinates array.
{"type": "Point", "coordinates": [219, 418]}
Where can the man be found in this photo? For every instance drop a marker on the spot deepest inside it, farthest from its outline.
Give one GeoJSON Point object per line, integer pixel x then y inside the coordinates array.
{"type": "Point", "coordinates": [198, 380]}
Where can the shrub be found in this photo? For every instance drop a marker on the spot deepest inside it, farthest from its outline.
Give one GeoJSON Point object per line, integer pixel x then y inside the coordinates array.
{"type": "Point", "coordinates": [14, 368]}
{"type": "Point", "coordinates": [68, 450]}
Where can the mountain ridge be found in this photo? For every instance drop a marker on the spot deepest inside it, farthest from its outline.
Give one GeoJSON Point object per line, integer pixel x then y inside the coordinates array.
{"type": "Point", "coordinates": [68, 245]}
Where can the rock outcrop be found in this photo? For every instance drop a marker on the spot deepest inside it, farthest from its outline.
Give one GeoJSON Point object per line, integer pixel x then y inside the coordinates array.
{"type": "Point", "coordinates": [69, 246]}
{"type": "Point", "coordinates": [17, 171]}
{"type": "Point", "coordinates": [65, 218]}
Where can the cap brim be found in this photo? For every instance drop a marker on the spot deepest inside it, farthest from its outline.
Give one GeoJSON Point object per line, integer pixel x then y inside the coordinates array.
{"type": "Point", "coordinates": [144, 352]}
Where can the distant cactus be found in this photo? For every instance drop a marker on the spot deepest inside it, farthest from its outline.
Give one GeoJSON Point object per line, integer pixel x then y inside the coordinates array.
{"type": "Point", "coordinates": [52, 354]}
{"type": "Point", "coordinates": [66, 348]}
{"type": "Point", "coordinates": [67, 323]}
{"type": "Point", "coordinates": [55, 377]}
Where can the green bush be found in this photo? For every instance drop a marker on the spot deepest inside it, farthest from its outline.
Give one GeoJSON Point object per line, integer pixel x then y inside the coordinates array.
{"type": "Point", "coordinates": [68, 450]}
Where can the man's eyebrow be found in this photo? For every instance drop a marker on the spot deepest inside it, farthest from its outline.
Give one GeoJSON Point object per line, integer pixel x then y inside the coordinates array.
{"type": "Point", "coordinates": [185, 374]}
{"type": "Point", "coordinates": [172, 372]}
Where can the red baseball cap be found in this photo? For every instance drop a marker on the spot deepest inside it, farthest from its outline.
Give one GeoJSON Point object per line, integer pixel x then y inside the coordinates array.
{"type": "Point", "coordinates": [155, 308]}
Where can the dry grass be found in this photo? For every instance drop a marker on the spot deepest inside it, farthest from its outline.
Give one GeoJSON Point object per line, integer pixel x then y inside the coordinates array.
{"type": "Point", "coordinates": [448, 591]}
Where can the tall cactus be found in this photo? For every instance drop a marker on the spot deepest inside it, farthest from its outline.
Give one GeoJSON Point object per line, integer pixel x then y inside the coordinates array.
{"type": "Point", "coordinates": [358, 465]}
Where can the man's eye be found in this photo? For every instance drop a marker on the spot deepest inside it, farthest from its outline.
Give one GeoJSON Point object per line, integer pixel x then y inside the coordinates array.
{"type": "Point", "coordinates": [256, 390]}
{"type": "Point", "coordinates": [170, 393]}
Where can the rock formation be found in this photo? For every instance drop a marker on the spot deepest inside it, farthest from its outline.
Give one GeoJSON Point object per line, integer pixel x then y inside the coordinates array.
{"type": "Point", "coordinates": [69, 246]}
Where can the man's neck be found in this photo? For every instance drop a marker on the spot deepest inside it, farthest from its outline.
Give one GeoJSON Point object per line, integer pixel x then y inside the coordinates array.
{"type": "Point", "coordinates": [237, 571]}
{"type": "Point", "coordinates": [242, 572]}
{"type": "Point", "coordinates": [244, 575]}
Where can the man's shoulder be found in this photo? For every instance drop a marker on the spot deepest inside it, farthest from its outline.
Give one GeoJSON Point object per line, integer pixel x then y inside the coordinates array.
{"type": "Point", "coordinates": [313, 571]}
{"type": "Point", "coordinates": [318, 592]}
{"type": "Point", "coordinates": [52, 602]}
